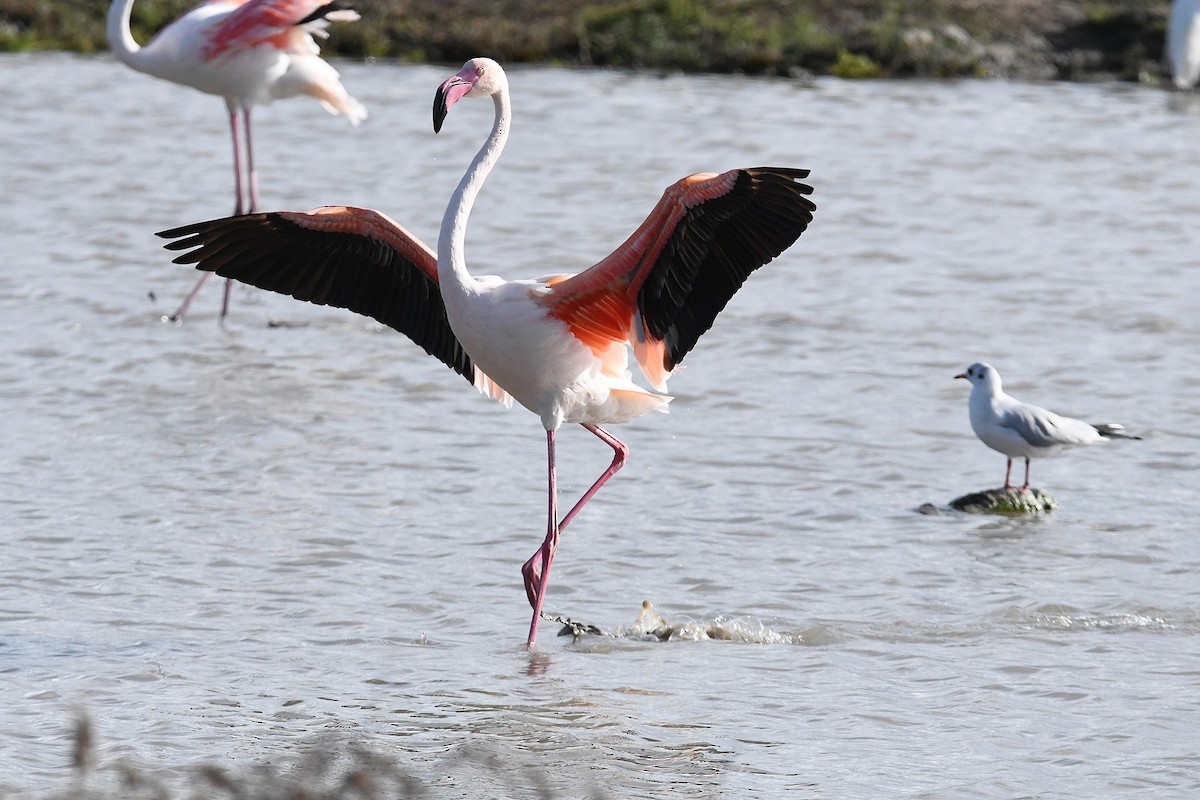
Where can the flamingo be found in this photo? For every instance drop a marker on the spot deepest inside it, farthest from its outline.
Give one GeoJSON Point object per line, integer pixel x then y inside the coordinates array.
{"type": "Point", "coordinates": [557, 345]}
{"type": "Point", "coordinates": [1017, 429]}
{"type": "Point", "coordinates": [248, 52]}
{"type": "Point", "coordinates": [1183, 42]}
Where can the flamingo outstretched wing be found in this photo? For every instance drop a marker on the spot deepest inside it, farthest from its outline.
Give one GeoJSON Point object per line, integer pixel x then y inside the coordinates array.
{"type": "Point", "coordinates": [353, 258]}
{"type": "Point", "coordinates": [259, 21]}
{"type": "Point", "coordinates": [662, 288]}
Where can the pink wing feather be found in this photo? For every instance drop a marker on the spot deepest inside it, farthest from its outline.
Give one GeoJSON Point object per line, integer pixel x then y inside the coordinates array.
{"type": "Point", "coordinates": [355, 258]}
{"type": "Point", "coordinates": [663, 287]}
{"type": "Point", "coordinates": [258, 22]}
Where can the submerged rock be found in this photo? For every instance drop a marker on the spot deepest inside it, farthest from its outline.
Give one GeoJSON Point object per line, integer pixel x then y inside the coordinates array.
{"type": "Point", "coordinates": [652, 627]}
{"type": "Point", "coordinates": [1012, 502]}
{"type": "Point", "coordinates": [649, 625]}
{"type": "Point", "coordinates": [573, 627]}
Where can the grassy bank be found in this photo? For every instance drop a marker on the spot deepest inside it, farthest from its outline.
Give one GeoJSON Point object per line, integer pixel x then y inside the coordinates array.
{"type": "Point", "coordinates": [1038, 39]}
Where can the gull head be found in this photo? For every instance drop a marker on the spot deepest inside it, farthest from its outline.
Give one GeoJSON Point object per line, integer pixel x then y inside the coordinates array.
{"type": "Point", "coordinates": [981, 374]}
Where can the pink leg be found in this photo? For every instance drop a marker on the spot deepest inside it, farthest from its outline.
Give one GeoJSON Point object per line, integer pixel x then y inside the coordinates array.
{"type": "Point", "coordinates": [252, 185]}
{"type": "Point", "coordinates": [536, 570]}
{"type": "Point", "coordinates": [187, 301]}
{"type": "Point", "coordinates": [546, 552]}
{"type": "Point", "coordinates": [225, 297]}
{"type": "Point", "coordinates": [1008, 475]}
{"type": "Point", "coordinates": [620, 456]}
{"type": "Point", "coordinates": [237, 211]}
{"type": "Point", "coordinates": [251, 172]}
{"type": "Point", "coordinates": [237, 163]}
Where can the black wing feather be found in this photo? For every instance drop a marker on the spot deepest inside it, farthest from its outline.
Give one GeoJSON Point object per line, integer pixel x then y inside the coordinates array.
{"type": "Point", "coordinates": [715, 247]}
{"type": "Point", "coordinates": [343, 270]}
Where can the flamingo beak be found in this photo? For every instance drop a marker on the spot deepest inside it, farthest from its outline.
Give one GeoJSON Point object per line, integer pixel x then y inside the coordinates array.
{"type": "Point", "coordinates": [449, 93]}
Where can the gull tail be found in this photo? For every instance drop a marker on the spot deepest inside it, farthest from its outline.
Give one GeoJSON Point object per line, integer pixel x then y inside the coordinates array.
{"type": "Point", "coordinates": [1111, 430]}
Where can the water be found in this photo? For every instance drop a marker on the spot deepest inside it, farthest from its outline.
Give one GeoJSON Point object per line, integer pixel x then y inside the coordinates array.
{"type": "Point", "coordinates": [243, 543]}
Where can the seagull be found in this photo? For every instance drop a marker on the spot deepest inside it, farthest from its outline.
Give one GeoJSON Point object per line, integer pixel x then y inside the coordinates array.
{"type": "Point", "coordinates": [1021, 430]}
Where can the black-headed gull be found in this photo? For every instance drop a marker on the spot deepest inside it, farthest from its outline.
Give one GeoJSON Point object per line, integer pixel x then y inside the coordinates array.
{"type": "Point", "coordinates": [1019, 430]}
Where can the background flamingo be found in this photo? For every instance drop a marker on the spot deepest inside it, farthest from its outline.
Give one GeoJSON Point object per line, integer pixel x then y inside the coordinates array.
{"type": "Point", "coordinates": [1183, 42]}
{"type": "Point", "coordinates": [558, 345]}
{"type": "Point", "coordinates": [249, 52]}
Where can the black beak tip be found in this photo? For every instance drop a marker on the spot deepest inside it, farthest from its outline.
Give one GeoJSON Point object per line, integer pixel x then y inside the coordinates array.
{"type": "Point", "coordinates": [439, 110]}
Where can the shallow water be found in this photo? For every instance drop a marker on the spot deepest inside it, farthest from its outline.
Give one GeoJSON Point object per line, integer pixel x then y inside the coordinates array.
{"type": "Point", "coordinates": [241, 543]}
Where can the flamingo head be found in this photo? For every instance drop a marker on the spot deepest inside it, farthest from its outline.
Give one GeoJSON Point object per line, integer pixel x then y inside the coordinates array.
{"type": "Point", "coordinates": [479, 77]}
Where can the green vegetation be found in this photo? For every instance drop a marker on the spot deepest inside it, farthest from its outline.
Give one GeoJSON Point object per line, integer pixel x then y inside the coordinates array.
{"type": "Point", "coordinates": [694, 36]}
{"type": "Point", "coordinates": [853, 65]}
{"type": "Point", "coordinates": [1128, 36]}
{"type": "Point", "coordinates": [1072, 39]}
{"type": "Point", "coordinates": [79, 27]}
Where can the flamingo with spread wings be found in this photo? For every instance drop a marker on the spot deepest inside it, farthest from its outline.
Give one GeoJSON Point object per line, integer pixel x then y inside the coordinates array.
{"type": "Point", "coordinates": [558, 346]}
{"type": "Point", "coordinates": [249, 52]}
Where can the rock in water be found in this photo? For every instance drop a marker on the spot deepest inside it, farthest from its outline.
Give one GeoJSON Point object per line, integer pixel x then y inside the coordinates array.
{"type": "Point", "coordinates": [575, 628]}
{"type": "Point", "coordinates": [1011, 502]}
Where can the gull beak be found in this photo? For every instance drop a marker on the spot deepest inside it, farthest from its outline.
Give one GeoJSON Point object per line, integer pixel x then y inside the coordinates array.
{"type": "Point", "coordinates": [960, 375]}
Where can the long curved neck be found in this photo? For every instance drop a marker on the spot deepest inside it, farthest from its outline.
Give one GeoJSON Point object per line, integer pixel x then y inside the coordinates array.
{"type": "Point", "coordinates": [452, 261]}
{"type": "Point", "coordinates": [120, 39]}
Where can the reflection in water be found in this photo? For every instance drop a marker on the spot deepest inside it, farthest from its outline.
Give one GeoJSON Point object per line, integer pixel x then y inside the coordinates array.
{"type": "Point", "coordinates": [228, 541]}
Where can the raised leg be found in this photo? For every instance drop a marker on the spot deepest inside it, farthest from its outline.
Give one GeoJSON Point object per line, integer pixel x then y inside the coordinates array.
{"type": "Point", "coordinates": [536, 570]}
{"type": "Point", "coordinates": [620, 456]}
{"type": "Point", "coordinates": [1008, 475]}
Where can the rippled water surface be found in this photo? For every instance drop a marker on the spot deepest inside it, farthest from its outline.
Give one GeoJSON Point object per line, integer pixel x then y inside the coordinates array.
{"type": "Point", "coordinates": [238, 543]}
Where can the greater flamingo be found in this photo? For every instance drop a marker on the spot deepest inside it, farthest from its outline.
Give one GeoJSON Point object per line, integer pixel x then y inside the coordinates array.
{"type": "Point", "coordinates": [558, 344]}
{"type": "Point", "coordinates": [1183, 42]}
{"type": "Point", "coordinates": [1017, 429]}
{"type": "Point", "coordinates": [249, 52]}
